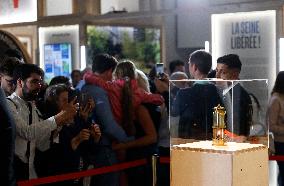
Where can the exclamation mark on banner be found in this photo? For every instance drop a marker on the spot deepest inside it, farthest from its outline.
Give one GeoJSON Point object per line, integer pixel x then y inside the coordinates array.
{"type": "Point", "coordinates": [16, 3]}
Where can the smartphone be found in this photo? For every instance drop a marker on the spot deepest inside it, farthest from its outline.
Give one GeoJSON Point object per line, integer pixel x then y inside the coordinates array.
{"type": "Point", "coordinates": [84, 98]}
{"type": "Point", "coordinates": [159, 69]}
{"type": "Point", "coordinates": [72, 93]}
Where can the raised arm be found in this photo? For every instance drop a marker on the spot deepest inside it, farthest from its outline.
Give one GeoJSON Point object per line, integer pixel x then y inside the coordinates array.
{"type": "Point", "coordinates": [91, 78]}
{"type": "Point", "coordinates": [41, 128]}
{"type": "Point", "coordinates": [35, 130]}
{"type": "Point", "coordinates": [104, 116]}
{"type": "Point", "coordinates": [146, 97]}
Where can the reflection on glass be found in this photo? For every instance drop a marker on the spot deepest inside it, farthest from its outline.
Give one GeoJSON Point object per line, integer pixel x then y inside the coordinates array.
{"type": "Point", "coordinates": [192, 107]}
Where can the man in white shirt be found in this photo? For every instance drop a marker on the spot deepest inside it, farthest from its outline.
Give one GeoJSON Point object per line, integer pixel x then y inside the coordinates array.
{"type": "Point", "coordinates": [31, 130]}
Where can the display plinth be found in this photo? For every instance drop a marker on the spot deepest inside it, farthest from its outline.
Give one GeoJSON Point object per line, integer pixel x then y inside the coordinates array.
{"type": "Point", "coordinates": [236, 164]}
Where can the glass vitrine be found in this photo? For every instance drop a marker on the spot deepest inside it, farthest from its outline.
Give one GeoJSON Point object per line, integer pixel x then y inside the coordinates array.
{"type": "Point", "coordinates": [214, 109]}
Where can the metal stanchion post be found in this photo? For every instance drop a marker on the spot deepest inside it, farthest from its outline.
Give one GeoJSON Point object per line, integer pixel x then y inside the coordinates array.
{"type": "Point", "coordinates": [154, 169]}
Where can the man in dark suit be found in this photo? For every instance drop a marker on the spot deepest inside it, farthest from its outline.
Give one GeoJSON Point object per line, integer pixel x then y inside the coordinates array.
{"type": "Point", "coordinates": [237, 98]}
{"type": "Point", "coordinates": [7, 143]}
{"type": "Point", "coordinates": [194, 105]}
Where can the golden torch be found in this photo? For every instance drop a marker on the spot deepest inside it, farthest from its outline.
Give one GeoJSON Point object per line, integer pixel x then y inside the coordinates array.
{"type": "Point", "coordinates": [219, 126]}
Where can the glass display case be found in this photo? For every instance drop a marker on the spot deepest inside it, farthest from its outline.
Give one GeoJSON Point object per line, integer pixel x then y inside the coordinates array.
{"type": "Point", "coordinates": [194, 115]}
{"type": "Point", "coordinates": [218, 127]}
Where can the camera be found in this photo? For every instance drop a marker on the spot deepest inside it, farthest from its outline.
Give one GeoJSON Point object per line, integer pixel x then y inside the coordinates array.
{"type": "Point", "coordinates": [84, 99]}
{"type": "Point", "coordinates": [72, 93]}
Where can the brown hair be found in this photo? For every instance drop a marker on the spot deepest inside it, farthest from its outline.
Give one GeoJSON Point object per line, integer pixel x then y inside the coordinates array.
{"type": "Point", "coordinates": [279, 83]}
{"type": "Point", "coordinates": [126, 70]}
{"type": "Point", "coordinates": [51, 97]}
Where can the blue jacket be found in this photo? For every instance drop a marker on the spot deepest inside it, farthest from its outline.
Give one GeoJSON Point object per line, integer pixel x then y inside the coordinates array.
{"type": "Point", "coordinates": [194, 106]}
{"type": "Point", "coordinates": [103, 116]}
{"type": "Point", "coordinates": [111, 131]}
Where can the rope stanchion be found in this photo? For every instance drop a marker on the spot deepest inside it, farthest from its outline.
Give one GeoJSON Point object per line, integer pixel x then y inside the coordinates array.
{"type": "Point", "coordinates": [91, 172]}
{"type": "Point", "coordinates": [154, 169]}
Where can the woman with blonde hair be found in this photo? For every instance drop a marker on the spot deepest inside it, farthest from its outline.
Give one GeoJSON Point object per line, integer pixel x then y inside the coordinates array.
{"type": "Point", "coordinates": [146, 123]}
{"type": "Point", "coordinates": [127, 93]}
{"type": "Point", "coordinates": [124, 93]}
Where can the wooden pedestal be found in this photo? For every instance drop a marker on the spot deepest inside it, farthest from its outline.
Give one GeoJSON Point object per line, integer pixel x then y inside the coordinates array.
{"type": "Point", "coordinates": [236, 164]}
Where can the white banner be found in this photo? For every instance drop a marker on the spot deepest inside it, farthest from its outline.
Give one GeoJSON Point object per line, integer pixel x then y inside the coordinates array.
{"type": "Point", "coordinates": [252, 36]}
{"type": "Point", "coordinates": [16, 11]}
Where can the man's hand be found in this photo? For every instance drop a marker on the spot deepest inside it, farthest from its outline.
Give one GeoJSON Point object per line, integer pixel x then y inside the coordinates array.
{"type": "Point", "coordinates": [66, 115]}
{"type": "Point", "coordinates": [82, 136]}
{"type": "Point", "coordinates": [87, 109]}
{"type": "Point", "coordinates": [162, 85]}
{"type": "Point", "coordinates": [96, 132]}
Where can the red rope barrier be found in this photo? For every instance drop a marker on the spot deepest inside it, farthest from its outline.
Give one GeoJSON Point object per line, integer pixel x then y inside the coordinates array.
{"type": "Point", "coordinates": [165, 160]}
{"type": "Point", "coordinates": [103, 170]}
{"type": "Point", "coordinates": [276, 158]}
{"type": "Point", "coordinates": [91, 172]}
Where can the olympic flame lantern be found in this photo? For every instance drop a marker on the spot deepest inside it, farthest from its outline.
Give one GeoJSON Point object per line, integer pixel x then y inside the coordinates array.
{"type": "Point", "coordinates": [219, 126]}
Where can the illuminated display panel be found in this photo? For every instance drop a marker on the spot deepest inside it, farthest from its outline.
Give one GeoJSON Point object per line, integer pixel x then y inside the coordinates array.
{"type": "Point", "coordinates": [57, 60]}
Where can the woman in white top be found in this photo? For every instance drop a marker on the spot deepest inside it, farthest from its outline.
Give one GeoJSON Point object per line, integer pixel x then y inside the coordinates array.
{"type": "Point", "coordinates": [275, 119]}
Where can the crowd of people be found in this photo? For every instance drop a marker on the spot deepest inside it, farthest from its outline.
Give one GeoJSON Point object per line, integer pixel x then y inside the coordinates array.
{"type": "Point", "coordinates": [97, 120]}
{"type": "Point", "coordinates": [114, 113]}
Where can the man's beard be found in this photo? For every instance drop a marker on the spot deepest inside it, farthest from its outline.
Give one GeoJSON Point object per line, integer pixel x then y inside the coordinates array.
{"type": "Point", "coordinates": [8, 93]}
{"type": "Point", "coordinates": [29, 95]}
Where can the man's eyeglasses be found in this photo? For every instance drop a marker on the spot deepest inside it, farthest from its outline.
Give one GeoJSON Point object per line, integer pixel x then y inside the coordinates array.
{"type": "Point", "coordinates": [10, 82]}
